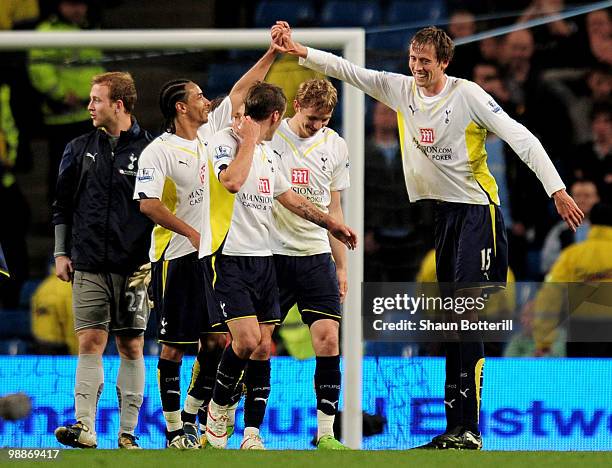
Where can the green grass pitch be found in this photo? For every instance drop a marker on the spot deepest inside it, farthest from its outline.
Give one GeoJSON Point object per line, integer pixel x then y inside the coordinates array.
{"type": "Point", "coordinates": [299, 459]}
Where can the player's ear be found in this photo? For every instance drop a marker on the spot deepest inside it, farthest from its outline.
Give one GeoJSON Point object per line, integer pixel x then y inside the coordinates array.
{"type": "Point", "coordinates": [180, 107]}
{"type": "Point", "coordinates": [296, 106]}
{"type": "Point", "coordinates": [118, 105]}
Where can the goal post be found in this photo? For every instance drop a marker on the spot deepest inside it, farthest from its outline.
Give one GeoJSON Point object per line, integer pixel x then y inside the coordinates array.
{"type": "Point", "coordinates": [352, 43]}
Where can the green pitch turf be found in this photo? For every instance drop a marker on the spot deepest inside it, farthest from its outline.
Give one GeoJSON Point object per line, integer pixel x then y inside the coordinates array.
{"type": "Point", "coordinates": [290, 459]}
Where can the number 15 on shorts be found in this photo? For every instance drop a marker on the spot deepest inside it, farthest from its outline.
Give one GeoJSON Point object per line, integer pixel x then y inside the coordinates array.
{"type": "Point", "coordinates": [485, 259]}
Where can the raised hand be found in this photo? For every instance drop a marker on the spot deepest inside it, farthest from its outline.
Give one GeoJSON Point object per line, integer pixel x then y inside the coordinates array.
{"type": "Point", "coordinates": [283, 42]}
{"type": "Point", "coordinates": [276, 32]}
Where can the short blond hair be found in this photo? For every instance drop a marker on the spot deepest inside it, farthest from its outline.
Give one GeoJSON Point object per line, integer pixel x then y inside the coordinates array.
{"type": "Point", "coordinates": [317, 93]}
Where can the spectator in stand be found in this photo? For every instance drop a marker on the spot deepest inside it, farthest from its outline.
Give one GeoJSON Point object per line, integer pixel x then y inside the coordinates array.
{"type": "Point", "coordinates": [584, 192]}
{"type": "Point", "coordinates": [65, 88]}
{"type": "Point", "coordinates": [599, 34]}
{"type": "Point", "coordinates": [593, 160]}
{"type": "Point", "coordinates": [557, 43]}
{"type": "Point", "coordinates": [489, 48]}
{"type": "Point", "coordinates": [52, 318]}
{"type": "Point", "coordinates": [13, 12]}
{"type": "Point", "coordinates": [14, 208]}
{"type": "Point", "coordinates": [584, 262]}
{"type": "Point", "coordinates": [462, 23]}
{"type": "Point", "coordinates": [533, 102]}
{"type": "Point", "coordinates": [592, 89]}
{"type": "Point", "coordinates": [522, 344]}
{"type": "Point", "coordinates": [538, 107]}
{"type": "Point", "coordinates": [24, 100]}
{"type": "Point", "coordinates": [396, 233]}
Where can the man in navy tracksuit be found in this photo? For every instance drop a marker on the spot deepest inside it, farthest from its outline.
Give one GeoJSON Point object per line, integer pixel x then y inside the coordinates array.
{"type": "Point", "coordinates": [101, 238]}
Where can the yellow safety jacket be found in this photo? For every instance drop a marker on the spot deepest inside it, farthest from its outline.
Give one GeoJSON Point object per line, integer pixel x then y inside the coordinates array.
{"type": "Point", "coordinates": [588, 262]}
{"type": "Point", "coordinates": [15, 11]}
{"type": "Point", "coordinates": [52, 318]}
{"type": "Point", "coordinates": [53, 75]}
{"type": "Point", "coordinates": [9, 137]}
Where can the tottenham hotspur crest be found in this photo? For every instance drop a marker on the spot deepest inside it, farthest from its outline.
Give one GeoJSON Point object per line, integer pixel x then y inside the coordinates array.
{"type": "Point", "coordinates": [323, 167]}
{"type": "Point", "coordinates": [133, 159]}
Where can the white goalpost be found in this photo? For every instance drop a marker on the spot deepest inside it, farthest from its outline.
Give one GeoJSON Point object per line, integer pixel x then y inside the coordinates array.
{"type": "Point", "coordinates": [352, 43]}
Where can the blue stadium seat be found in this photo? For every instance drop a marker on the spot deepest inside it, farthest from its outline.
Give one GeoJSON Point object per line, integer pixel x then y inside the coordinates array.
{"type": "Point", "coordinates": [151, 348]}
{"type": "Point", "coordinates": [111, 348]}
{"type": "Point", "coordinates": [15, 324]}
{"type": "Point", "coordinates": [14, 347]}
{"type": "Point", "coordinates": [151, 331]}
{"type": "Point", "coordinates": [345, 13]}
{"type": "Point", "coordinates": [425, 11]}
{"type": "Point", "coordinates": [296, 13]}
{"type": "Point", "coordinates": [25, 295]}
{"type": "Point", "coordinates": [392, 41]}
{"type": "Point", "coordinates": [533, 265]}
{"type": "Point", "coordinates": [391, 65]}
{"type": "Point", "coordinates": [221, 78]}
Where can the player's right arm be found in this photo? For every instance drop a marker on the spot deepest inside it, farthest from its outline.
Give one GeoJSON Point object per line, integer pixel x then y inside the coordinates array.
{"type": "Point", "coordinates": [63, 206]}
{"type": "Point", "coordinates": [382, 86]}
{"type": "Point", "coordinates": [256, 73]}
{"type": "Point", "coordinates": [232, 165]}
{"type": "Point", "coordinates": [150, 181]}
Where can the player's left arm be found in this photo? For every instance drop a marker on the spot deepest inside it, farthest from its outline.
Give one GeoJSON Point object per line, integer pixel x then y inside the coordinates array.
{"type": "Point", "coordinates": [256, 73]}
{"type": "Point", "coordinates": [305, 209]}
{"type": "Point", "coordinates": [338, 249]}
{"type": "Point", "coordinates": [488, 114]}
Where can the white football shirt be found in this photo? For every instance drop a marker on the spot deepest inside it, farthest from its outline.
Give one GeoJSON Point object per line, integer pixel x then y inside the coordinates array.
{"type": "Point", "coordinates": [176, 171]}
{"type": "Point", "coordinates": [443, 137]}
{"type": "Point", "coordinates": [248, 233]}
{"type": "Point", "coordinates": [314, 167]}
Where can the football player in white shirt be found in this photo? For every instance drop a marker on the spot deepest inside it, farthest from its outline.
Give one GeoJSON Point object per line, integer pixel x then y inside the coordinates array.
{"type": "Point", "coordinates": [443, 122]}
{"type": "Point", "coordinates": [314, 159]}
{"type": "Point", "coordinates": [173, 189]}
{"type": "Point", "coordinates": [245, 286]}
